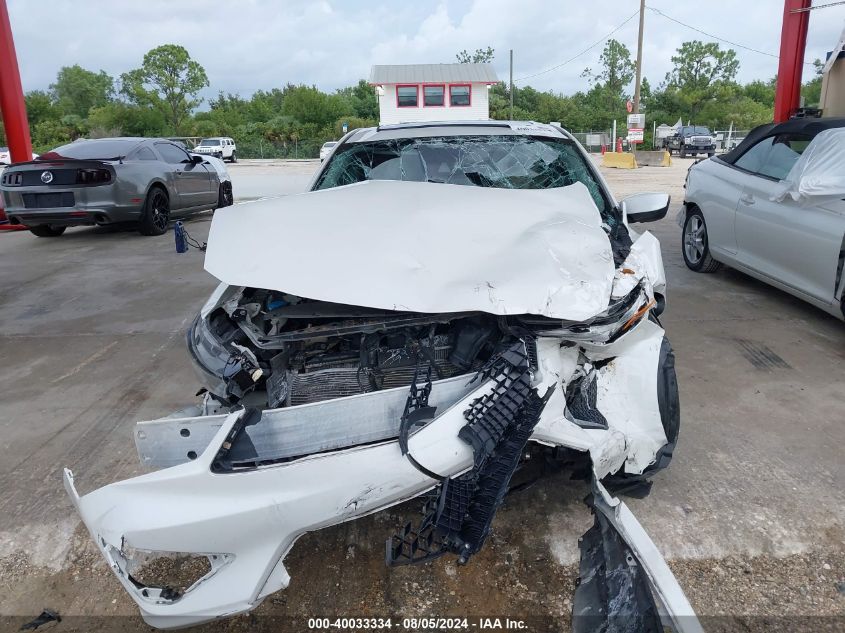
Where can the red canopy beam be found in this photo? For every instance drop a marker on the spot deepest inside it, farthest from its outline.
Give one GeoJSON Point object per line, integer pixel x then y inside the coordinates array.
{"type": "Point", "coordinates": [11, 94]}
{"type": "Point", "coordinates": [793, 41]}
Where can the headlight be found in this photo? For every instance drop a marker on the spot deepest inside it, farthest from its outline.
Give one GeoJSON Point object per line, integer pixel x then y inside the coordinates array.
{"type": "Point", "coordinates": [620, 317]}
{"type": "Point", "coordinates": [208, 357]}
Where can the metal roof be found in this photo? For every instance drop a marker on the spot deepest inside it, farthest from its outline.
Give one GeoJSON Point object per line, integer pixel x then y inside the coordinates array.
{"type": "Point", "coordinates": [433, 73]}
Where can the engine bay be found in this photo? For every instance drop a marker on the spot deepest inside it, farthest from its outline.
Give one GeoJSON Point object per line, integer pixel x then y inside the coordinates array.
{"type": "Point", "coordinates": [287, 350]}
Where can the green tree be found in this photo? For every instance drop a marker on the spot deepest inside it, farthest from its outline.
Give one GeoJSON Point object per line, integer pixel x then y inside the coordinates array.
{"type": "Point", "coordinates": [77, 90]}
{"type": "Point", "coordinates": [480, 56]}
{"type": "Point", "coordinates": [699, 71]}
{"type": "Point", "coordinates": [812, 90]}
{"type": "Point", "coordinates": [40, 107]}
{"type": "Point", "coordinates": [616, 72]}
{"type": "Point", "coordinates": [168, 80]}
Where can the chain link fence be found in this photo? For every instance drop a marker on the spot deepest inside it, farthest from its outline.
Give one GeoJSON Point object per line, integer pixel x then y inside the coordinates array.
{"type": "Point", "coordinates": [262, 148]}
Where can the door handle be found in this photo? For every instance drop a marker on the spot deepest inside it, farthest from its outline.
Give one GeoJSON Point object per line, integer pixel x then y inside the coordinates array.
{"type": "Point", "coordinates": [747, 199]}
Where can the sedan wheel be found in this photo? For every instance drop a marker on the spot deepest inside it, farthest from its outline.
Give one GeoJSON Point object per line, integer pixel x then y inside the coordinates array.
{"type": "Point", "coordinates": [694, 244]}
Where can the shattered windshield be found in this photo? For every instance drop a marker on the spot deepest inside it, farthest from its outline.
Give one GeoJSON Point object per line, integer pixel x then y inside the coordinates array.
{"type": "Point", "coordinates": [507, 162]}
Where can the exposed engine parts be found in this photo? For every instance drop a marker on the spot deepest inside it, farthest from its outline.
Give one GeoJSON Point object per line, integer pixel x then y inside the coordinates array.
{"type": "Point", "coordinates": [295, 351]}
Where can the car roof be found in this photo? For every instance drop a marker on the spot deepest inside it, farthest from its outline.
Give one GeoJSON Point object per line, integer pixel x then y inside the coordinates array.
{"type": "Point", "coordinates": [808, 126]}
{"type": "Point", "coordinates": [455, 128]}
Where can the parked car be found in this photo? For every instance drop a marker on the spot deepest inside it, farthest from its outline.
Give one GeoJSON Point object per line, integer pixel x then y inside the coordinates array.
{"type": "Point", "coordinates": [6, 156]}
{"type": "Point", "coordinates": [223, 148]}
{"type": "Point", "coordinates": [691, 140]}
{"type": "Point", "coordinates": [104, 181]}
{"type": "Point", "coordinates": [773, 208]}
{"type": "Point", "coordinates": [485, 289]}
{"type": "Point", "coordinates": [326, 149]}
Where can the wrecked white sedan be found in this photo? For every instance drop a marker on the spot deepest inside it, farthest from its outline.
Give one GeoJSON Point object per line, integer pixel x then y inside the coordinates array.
{"type": "Point", "coordinates": [392, 334]}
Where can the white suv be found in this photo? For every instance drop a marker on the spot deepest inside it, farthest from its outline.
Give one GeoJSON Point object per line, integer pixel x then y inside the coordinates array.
{"type": "Point", "coordinates": [220, 147]}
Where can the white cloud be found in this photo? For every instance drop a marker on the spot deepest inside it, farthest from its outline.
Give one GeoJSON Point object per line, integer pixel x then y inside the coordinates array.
{"type": "Point", "coordinates": [247, 45]}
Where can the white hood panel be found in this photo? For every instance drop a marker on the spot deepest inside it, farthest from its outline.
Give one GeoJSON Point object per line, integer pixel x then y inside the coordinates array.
{"type": "Point", "coordinates": [422, 247]}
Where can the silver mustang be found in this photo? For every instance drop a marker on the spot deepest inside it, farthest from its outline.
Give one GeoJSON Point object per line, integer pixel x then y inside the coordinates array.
{"type": "Point", "coordinates": [110, 180]}
{"type": "Point", "coordinates": [774, 208]}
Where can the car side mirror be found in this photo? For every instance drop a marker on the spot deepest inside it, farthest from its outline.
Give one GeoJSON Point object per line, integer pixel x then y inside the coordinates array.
{"type": "Point", "coordinates": [645, 207]}
{"type": "Point", "coordinates": [196, 160]}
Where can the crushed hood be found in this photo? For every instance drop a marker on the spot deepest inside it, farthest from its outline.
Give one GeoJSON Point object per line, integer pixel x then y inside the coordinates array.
{"type": "Point", "coordinates": [422, 247]}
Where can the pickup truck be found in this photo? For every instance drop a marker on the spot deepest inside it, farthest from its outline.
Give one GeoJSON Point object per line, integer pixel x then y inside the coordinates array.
{"type": "Point", "coordinates": [691, 140]}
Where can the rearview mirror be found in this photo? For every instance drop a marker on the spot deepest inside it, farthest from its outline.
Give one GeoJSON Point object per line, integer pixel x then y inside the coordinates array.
{"type": "Point", "coordinates": [645, 207]}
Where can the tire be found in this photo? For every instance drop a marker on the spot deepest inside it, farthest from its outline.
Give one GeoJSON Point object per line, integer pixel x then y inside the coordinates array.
{"type": "Point", "coordinates": [683, 152]}
{"type": "Point", "coordinates": [224, 195]}
{"type": "Point", "coordinates": [669, 405]}
{"type": "Point", "coordinates": [694, 244]}
{"type": "Point", "coordinates": [711, 154]}
{"type": "Point", "coordinates": [155, 216]}
{"type": "Point", "coordinates": [234, 157]}
{"type": "Point", "coordinates": [47, 230]}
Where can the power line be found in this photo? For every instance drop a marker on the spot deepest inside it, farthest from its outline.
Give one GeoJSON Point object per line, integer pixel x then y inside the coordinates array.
{"type": "Point", "coordinates": [818, 6]}
{"type": "Point", "coordinates": [590, 47]}
{"type": "Point", "coordinates": [721, 39]}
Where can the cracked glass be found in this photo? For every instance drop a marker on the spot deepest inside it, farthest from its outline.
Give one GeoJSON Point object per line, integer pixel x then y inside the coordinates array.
{"type": "Point", "coordinates": [507, 162]}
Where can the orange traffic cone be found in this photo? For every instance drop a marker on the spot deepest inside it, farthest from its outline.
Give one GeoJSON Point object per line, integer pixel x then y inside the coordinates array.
{"type": "Point", "coordinates": [603, 149]}
{"type": "Point", "coordinates": [619, 145]}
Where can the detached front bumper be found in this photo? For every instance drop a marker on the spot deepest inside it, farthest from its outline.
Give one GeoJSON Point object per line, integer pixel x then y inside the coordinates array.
{"type": "Point", "coordinates": [338, 460]}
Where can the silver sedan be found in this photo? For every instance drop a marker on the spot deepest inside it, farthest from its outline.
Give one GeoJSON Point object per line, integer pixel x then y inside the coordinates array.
{"type": "Point", "coordinates": [773, 208]}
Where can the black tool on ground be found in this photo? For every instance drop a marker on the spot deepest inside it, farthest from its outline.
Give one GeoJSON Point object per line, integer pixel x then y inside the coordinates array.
{"type": "Point", "coordinates": [46, 616]}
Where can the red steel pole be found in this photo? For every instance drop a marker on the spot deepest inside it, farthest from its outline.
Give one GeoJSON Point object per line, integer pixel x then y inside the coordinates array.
{"type": "Point", "coordinates": [11, 94]}
{"type": "Point", "coordinates": [793, 41]}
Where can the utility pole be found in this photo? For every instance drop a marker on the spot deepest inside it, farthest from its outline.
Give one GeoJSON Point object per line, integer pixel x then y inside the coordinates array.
{"type": "Point", "coordinates": [639, 60]}
{"type": "Point", "coordinates": [511, 83]}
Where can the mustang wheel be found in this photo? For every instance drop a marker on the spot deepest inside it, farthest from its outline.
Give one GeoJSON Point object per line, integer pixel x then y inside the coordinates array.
{"type": "Point", "coordinates": [224, 195]}
{"type": "Point", "coordinates": [156, 214]}
{"type": "Point", "coordinates": [694, 244]}
{"type": "Point", "coordinates": [47, 230]}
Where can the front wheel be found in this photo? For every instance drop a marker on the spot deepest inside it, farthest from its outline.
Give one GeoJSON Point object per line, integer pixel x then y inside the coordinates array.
{"type": "Point", "coordinates": [694, 244]}
{"type": "Point", "coordinates": [683, 153]}
{"type": "Point", "coordinates": [224, 195]}
{"type": "Point", "coordinates": [234, 157]}
{"type": "Point", "coordinates": [155, 217]}
{"type": "Point", "coordinates": [47, 230]}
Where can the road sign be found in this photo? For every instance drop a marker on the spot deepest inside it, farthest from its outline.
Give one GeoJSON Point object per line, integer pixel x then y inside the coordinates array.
{"type": "Point", "coordinates": [636, 121]}
{"type": "Point", "coordinates": [629, 106]}
{"type": "Point", "coordinates": [635, 135]}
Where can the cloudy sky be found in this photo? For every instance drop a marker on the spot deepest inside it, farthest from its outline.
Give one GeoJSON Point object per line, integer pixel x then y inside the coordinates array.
{"type": "Point", "coordinates": [246, 45]}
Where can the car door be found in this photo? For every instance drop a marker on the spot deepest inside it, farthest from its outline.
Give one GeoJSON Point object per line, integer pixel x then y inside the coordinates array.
{"type": "Point", "coordinates": [798, 246]}
{"type": "Point", "coordinates": [192, 180]}
{"type": "Point", "coordinates": [716, 187]}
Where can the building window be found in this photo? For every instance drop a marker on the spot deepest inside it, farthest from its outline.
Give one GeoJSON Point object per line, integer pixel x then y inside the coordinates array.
{"type": "Point", "coordinates": [434, 95]}
{"type": "Point", "coordinates": [406, 96]}
{"type": "Point", "coordinates": [459, 96]}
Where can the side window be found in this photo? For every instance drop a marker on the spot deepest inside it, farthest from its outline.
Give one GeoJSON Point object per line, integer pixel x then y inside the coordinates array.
{"type": "Point", "coordinates": [406, 96]}
{"type": "Point", "coordinates": [172, 154]}
{"type": "Point", "coordinates": [144, 153]}
{"type": "Point", "coordinates": [773, 157]}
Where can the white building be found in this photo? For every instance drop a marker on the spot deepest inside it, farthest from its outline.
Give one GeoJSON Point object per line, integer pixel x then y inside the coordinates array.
{"type": "Point", "coordinates": [433, 92]}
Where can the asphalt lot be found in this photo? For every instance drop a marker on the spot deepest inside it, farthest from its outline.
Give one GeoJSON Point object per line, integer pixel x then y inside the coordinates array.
{"type": "Point", "coordinates": [751, 514]}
